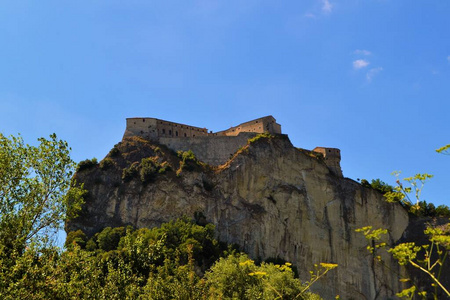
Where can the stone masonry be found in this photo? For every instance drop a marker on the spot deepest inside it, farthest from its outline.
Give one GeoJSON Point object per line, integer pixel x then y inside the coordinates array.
{"type": "Point", "coordinates": [215, 148]}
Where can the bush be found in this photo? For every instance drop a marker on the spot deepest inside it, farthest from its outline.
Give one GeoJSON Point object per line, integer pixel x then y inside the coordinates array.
{"type": "Point", "coordinates": [78, 237]}
{"type": "Point", "coordinates": [149, 169]}
{"type": "Point", "coordinates": [443, 211]}
{"type": "Point", "coordinates": [378, 184]}
{"type": "Point", "coordinates": [114, 151]}
{"type": "Point", "coordinates": [260, 136]}
{"type": "Point", "coordinates": [238, 277]}
{"type": "Point", "coordinates": [129, 173]}
{"type": "Point", "coordinates": [422, 208]}
{"type": "Point", "coordinates": [387, 190]}
{"type": "Point", "coordinates": [106, 163]}
{"type": "Point", "coordinates": [108, 239]}
{"type": "Point", "coordinates": [87, 164]}
{"type": "Point", "coordinates": [188, 161]}
{"type": "Point", "coordinates": [164, 167]}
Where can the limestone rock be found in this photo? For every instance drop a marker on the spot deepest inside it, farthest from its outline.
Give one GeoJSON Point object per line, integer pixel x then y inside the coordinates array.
{"type": "Point", "coordinates": [271, 198]}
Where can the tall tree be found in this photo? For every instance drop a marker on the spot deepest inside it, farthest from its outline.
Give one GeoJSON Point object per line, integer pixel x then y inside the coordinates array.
{"type": "Point", "coordinates": [36, 191]}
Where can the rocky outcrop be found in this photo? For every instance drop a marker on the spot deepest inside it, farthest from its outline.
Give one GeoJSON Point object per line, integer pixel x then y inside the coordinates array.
{"type": "Point", "coordinates": [270, 198]}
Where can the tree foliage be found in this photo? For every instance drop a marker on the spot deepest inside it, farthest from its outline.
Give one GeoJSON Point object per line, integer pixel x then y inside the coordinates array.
{"type": "Point", "coordinates": [444, 149]}
{"type": "Point", "coordinates": [169, 262]}
{"type": "Point", "coordinates": [36, 191]}
{"type": "Point", "coordinates": [429, 258]}
{"type": "Point", "coordinates": [179, 260]}
{"type": "Point", "coordinates": [402, 193]}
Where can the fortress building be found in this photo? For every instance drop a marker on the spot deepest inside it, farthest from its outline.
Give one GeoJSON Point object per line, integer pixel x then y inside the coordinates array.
{"type": "Point", "coordinates": [332, 157]}
{"type": "Point", "coordinates": [215, 148]}
{"type": "Point", "coordinates": [153, 129]}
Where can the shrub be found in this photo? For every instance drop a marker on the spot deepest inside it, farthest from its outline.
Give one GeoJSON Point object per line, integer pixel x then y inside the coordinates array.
{"type": "Point", "coordinates": [188, 161]}
{"type": "Point", "coordinates": [422, 208]}
{"type": "Point", "coordinates": [443, 211]}
{"type": "Point", "coordinates": [129, 173]}
{"type": "Point", "coordinates": [114, 151]}
{"type": "Point", "coordinates": [78, 237]}
{"type": "Point", "coordinates": [378, 184]}
{"type": "Point", "coordinates": [106, 163]}
{"type": "Point", "coordinates": [387, 190]}
{"type": "Point", "coordinates": [429, 210]}
{"type": "Point", "coordinates": [260, 136]}
{"type": "Point", "coordinates": [164, 167]}
{"type": "Point", "coordinates": [108, 239]}
{"type": "Point", "coordinates": [86, 164]}
{"type": "Point", "coordinates": [148, 170]}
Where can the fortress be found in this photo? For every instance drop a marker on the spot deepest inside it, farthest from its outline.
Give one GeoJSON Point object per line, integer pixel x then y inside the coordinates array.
{"type": "Point", "coordinates": [215, 148]}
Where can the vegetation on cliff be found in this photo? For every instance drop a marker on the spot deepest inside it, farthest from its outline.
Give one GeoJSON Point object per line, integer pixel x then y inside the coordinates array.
{"type": "Point", "coordinates": [400, 193]}
{"type": "Point", "coordinates": [179, 260]}
{"type": "Point", "coordinates": [428, 256]}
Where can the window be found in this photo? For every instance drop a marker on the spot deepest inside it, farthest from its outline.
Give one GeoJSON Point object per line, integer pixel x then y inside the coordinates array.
{"type": "Point", "coordinates": [164, 131]}
{"type": "Point", "coordinates": [170, 132]}
{"type": "Point", "coordinates": [176, 133]}
{"type": "Point", "coordinates": [185, 135]}
{"type": "Point", "coordinates": [143, 120]}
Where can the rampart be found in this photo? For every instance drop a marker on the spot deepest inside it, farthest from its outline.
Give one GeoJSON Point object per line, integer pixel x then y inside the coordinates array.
{"type": "Point", "coordinates": [215, 148]}
{"type": "Point", "coordinates": [265, 124]}
{"type": "Point", "coordinates": [151, 128]}
{"type": "Point", "coordinates": [212, 150]}
{"type": "Point", "coordinates": [332, 157]}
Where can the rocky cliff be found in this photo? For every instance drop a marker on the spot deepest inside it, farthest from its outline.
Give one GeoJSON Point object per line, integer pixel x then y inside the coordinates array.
{"type": "Point", "coordinates": [272, 199]}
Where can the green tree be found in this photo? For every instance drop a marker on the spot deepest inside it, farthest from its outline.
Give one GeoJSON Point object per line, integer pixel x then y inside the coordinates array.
{"type": "Point", "coordinates": [238, 277]}
{"type": "Point", "coordinates": [36, 191]}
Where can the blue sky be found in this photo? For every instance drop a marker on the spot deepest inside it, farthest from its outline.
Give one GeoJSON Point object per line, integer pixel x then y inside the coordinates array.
{"type": "Point", "coordinates": [370, 77]}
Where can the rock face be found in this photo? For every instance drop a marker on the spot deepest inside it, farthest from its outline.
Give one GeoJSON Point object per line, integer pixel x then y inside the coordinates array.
{"type": "Point", "coordinates": [271, 198]}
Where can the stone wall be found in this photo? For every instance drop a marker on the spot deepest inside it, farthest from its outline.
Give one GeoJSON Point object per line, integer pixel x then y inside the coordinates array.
{"type": "Point", "coordinates": [151, 128]}
{"type": "Point", "coordinates": [213, 150]}
{"type": "Point", "coordinates": [264, 124]}
{"type": "Point", "coordinates": [144, 127]}
{"type": "Point", "coordinates": [332, 157]}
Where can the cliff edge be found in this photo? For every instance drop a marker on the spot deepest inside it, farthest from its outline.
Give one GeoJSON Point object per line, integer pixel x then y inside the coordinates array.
{"type": "Point", "coordinates": [272, 199]}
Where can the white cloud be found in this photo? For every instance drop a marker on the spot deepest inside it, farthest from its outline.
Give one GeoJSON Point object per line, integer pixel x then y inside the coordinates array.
{"type": "Point", "coordinates": [327, 7]}
{"type": "Point", "coordinates": [310, 15]}
{"type": "Point", "coordinates": [372, 72]}
{"type": "Point", "coordinates": [360, 63]}
{"type": "Point", "coordinates": [362, 52]}
{"type": "Point", "coordinates": [448, 58]}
